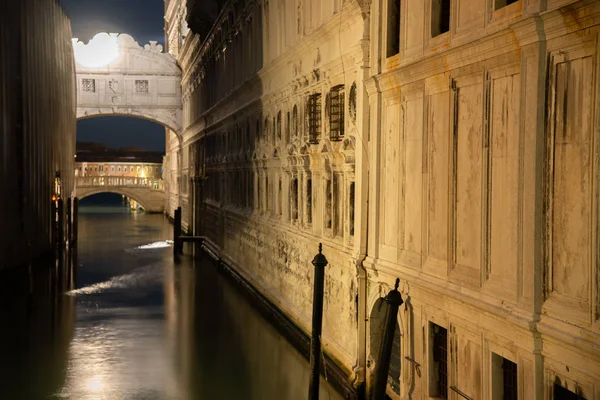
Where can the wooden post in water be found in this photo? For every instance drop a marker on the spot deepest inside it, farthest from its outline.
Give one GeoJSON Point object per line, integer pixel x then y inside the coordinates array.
{"type": "Point", "coordinates": [320, 262]}
{"type": "Point", "coordinates": [60, 225]}
{"type": "Point", "coordinates": [69, 220]}
{"type": "Point", "coordinates": [177, 232]}
{"type": "Point", "coordinates": [75, 231]}
{"type": "Point", "coordinates": [394, 301]}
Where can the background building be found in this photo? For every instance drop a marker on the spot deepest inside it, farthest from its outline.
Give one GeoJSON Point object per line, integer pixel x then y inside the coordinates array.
{"type": "Point", "coordinates": [37, 105]}
{"type": "Point", "coordinates": [450, 143]}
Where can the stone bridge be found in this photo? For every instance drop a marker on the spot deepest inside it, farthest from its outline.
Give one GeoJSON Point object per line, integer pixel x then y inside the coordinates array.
{"type": "Point", "coordinates": [150, 194]}
{"type": "Point", "coordinates": [117, 76]}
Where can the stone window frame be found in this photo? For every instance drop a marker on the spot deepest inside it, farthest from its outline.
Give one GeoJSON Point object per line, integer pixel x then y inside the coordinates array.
{"type": "Point", "coordinates": [278, 127]}
{"type": "Point", "coordinates": [387, 51]}
{"type": "Point", "coordinates": [432, 391]}
{"type": "Point", "coordinates": [337, 110]}
{"type": "Point", "coordinates": [315, 117]}
{"type": "Point", "coordinates": [295, 127]}
{"type": "Point", "coordinates": [88, 85]}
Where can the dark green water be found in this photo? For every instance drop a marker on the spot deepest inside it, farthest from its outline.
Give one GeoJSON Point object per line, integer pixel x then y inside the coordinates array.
{"type": "Point", "coordinates": [137, 326]}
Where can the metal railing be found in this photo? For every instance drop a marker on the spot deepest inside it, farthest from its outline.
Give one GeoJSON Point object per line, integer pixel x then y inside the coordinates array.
{"type": "Point", "coordinates": [97, 181]}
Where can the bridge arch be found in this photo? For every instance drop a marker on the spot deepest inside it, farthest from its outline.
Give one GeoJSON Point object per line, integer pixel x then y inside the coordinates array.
{"type": "Point", "coordinates": [150, 200]}
{"type": "Point", "coordinates": [117, 76]}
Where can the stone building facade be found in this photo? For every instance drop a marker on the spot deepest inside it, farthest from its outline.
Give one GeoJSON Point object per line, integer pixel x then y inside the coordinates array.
{"type": "Point", "coordinates": [37, 136]}
{"type": "Point", "coordinates": [450, 143]}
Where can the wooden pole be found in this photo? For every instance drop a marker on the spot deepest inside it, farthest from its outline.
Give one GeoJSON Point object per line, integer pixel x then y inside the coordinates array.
{"type": "Point", "coordinates": [177, 232]}
{"type": "Point", "coordinates": [394, 301]}
{"type": "Point", "coordinates": [320, 262]}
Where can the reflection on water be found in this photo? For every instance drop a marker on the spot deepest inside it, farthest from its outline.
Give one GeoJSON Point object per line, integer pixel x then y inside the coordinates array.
{"type": "Point", "coordinates": [144, 328]}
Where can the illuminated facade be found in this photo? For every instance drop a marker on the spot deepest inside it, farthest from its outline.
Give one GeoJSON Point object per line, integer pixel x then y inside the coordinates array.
{"type": "Point", "coordinates": [118, 168]}
{"type": "Point", "coordinates": [450, 143]}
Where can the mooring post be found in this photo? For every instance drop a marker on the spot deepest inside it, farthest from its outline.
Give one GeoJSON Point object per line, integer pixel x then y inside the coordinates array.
{"type": "Point", "coordinates": [74, 231]}
{"type": "Point", "coordinates": [320, 262]}
{"type": "Point", "coordinates": [61, 224]}
{"type": "Point", "coordinates": [176, 231]}
{"type": "Point", "coordinates": [69, 220]}
{"type": "Point", "coordinates": [394, 301]}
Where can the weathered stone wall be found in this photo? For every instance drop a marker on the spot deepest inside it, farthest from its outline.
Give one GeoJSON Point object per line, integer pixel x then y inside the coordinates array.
{"type": "Point", "coordinates": [470, 150]}
{"type": "Point", "coordinates": [256, 177]}
{"type": "Point", "coordinates": [484, 196]}
{"type": "Point", "coordinates": [37, 109]}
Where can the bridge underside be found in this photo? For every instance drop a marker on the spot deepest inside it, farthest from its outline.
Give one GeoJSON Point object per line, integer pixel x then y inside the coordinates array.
{"type": "Point", "coordinates": [151, 200]}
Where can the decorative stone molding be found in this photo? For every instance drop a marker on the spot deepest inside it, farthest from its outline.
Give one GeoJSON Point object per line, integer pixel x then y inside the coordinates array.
{"type": "Point", "coordinates": [127, 79]}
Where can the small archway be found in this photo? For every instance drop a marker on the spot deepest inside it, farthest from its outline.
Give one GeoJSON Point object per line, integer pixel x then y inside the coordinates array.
{"type": "Point", "coordinates": [149, 200]}
{"type": "Point", "coordinates": [376, 328]}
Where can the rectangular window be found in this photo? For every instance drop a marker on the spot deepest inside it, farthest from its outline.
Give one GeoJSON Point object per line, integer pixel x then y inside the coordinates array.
{"type": "Point", "coordinates": [504, 378]}
{"type": "Point", "coordinates": [131, 169]}
{"type": "Point", "coordinates": [119, 168]}
{"type": "Point", "coordinates": [141, 86]}
{"type": "Point", "coordinates": [309, 201]}
{"type": "Point", "coordinates": [438, 344]}
{"type": "Point", "coordinates": [440, 17]}
{"type": "Point", "coordinates": [393, 28]}
{"type": "Point", "coordinates": [294, 197]}
{"type": "Point", "coordinates": [337, 204]}
{"type": "Point", "coordinates": [336, 113]}
{"type": "Point", "coordinates": [498, 4]}
{"type": "Point", "coordinates": [561, 393]}
{"type": "Point", "coordinates": [112, 169]}
{"type": "Point", "coordinates": [314, 118]}
{"type": "Point", "coordinates": [287, 127]}
{"type": "Point", "coordinates": [328, 201]}
{"type": "Point", "coordinates": [88, 85]}
{"type": "Point", "coordinates": [351, 201]}
{"type": "Point", "coordinates": [279, 195]}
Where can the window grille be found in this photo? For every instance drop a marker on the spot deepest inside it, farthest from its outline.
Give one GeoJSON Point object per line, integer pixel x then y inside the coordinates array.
{"type": "Point", "coordinates": [439, 339]}
{"type": "Point", "coordinates": [314, 118]}
{"type": "Point", "coordinates": [141, 86]}
{"type": "Point", "coordinates": [336, 113]}
{"type": "Point", "coordinates": [88, 85]}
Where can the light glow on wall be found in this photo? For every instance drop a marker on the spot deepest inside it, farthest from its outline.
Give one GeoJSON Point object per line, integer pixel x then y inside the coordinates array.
{"type": "Point", "coordinates": [100, 51]}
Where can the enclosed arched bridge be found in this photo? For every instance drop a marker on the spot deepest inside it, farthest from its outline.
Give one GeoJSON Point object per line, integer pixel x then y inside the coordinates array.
{"type": "Point", "coordinates": [150, 194]}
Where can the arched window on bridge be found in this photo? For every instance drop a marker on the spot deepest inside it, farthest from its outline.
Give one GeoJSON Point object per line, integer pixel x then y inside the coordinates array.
{"type": "Point", "coordinates": [131, 169]}
{"type": "Point", "coordinates": [112, 168]}
{"type": "Point", "coordinates": [119, 168]}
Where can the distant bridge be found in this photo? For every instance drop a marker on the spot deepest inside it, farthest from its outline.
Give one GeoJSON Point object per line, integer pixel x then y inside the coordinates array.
{"type": "Point", "coordinates": [149, 193]}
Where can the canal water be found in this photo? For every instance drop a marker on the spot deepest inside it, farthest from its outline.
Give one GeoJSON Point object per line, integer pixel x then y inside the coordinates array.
{"type": "Point", "coordinates": [138, 326]}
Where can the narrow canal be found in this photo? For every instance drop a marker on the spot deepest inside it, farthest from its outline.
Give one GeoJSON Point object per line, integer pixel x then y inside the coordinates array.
{"type": "Point", "coordinates": [138, 326]}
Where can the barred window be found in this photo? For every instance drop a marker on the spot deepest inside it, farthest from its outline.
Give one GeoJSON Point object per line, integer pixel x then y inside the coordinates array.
{"type": "Point", "coordinates": [88, 85]}
{"type": "Point", "coordinates": [438, 342]}
{"type": "Point", "coordinates": [314, 118]}
{"type": "Point", "coordinates": [336, 113]}
{"type": "Point", "coordinates": [141, 86]}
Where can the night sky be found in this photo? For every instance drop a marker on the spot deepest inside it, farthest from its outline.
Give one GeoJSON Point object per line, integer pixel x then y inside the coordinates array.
{"type": "Point", "coordinates": [142, 19]}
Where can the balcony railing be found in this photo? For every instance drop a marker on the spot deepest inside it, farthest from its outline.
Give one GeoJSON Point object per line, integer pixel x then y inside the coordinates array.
{"type": "Point", "coordinates": [87, 181]}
